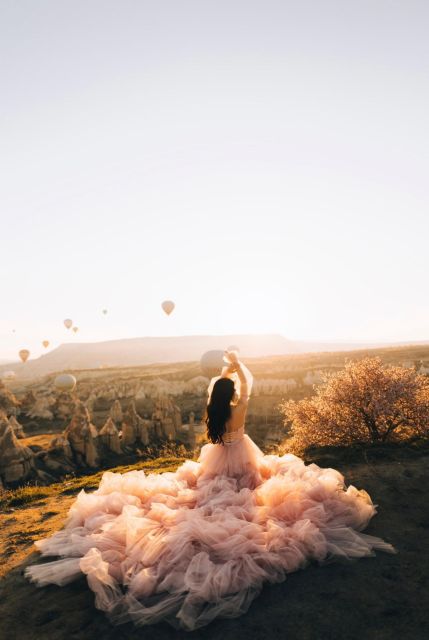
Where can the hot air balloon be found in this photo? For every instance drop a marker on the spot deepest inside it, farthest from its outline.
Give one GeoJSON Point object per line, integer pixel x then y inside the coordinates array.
{"type": "Point", "coordinates": [168, 306]}
{"type": "Point", "coordinates": [65, 382]}
{"type": "Point", "coordinates": [23, 354]}
{"type": "Point", "coordinates": [68, 323]}
{"type": "Point", "coordinates": [45, 343]}
{"type": "Point", "coordinates": [212, 362]}
{"type": "Point", "coordinates": [75, 329]}
{"type": "Point", "coordinates": [104, 311]}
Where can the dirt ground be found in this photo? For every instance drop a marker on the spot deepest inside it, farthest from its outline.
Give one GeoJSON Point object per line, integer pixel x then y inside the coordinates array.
{"type": "Point", "coordinates": [385, 597]}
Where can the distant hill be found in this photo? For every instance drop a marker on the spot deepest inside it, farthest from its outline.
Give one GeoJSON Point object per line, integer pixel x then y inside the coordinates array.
{"type": "Point", "coordinates": [147, 350]}
{"type": "Point", "coordinates": [151, 350]}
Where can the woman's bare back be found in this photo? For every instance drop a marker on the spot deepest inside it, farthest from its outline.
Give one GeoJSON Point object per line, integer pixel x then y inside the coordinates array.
{"type": "Point", "coordinates": [238, 415]}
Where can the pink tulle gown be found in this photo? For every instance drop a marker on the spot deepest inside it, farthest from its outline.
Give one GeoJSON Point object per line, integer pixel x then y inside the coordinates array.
{"type": "Point", "coordinates": [189, 546]}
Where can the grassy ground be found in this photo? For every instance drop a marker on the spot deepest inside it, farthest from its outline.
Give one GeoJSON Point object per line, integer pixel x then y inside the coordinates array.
{"type": "Point", "coordinates": [380, 598]}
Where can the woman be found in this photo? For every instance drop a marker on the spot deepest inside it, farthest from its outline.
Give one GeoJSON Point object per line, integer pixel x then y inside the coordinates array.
{"type": "Point", "coordinates": [190, 546]}
{"type": "Point", "coordinates": [239, 457]}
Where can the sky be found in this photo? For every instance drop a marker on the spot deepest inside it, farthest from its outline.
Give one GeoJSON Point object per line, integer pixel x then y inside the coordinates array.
{"type": "Point", "coordinates": [263, 164]}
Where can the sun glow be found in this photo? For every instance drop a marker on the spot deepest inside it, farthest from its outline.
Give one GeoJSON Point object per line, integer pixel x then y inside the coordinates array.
{"type": "Point", "coordinates": [262, 193]}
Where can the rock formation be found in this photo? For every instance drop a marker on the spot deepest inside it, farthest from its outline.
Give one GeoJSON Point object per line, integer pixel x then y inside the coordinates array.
{"type": "Point", "coordinates": [8, 403]}
{"type": "Point", "coordinates": [16, 460]}
{"type": "Point", "coordinates": [65, 405]}
{"type": "Point", "coordinates": [17, 428]}
{"type": "Point", "coordinates": [177, 417]}
{"type": "Point", "coordinates": [168, 428]}
{"type": "Point", "coordinates": [134, 428]}
{"type": "Point", "coordinates": [146, 428]}
{"type": "Point", "coordinates": [197, 386]}
{"type": "Point", "coordinates": [109, 435]}
{"type": "Point", "coordinates": [61, 445]}
{"type": "Point", "coordinates": [167, 418]}
{"type": "Point", "coordinates": [116, 412]}
{"type": "Point", "coordinates": [42, 407]}
{"type": "Point", "coordinates": [83, 436]}
{"type": "Point", "coordinates": [91, 400]}
{"type": "Point", "coordinates": [192, 440]}
{"type": "Point", "coordinates": [59, 457]}
{"type": "Point", "coordinates": [28, 401]}
{"type": "Point", "coordinates": [313, 377]}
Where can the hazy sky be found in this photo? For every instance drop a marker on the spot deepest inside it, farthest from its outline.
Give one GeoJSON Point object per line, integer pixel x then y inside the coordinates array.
{"type": "Point", "coordinates": [264, 164]}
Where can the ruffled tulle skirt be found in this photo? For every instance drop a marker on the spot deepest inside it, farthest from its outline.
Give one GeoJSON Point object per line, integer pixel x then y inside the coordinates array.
{"type": "Point", "coordinates": [189, 546]}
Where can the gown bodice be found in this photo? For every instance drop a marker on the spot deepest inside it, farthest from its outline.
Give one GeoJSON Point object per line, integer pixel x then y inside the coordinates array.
{"type": "Point", "coordinates": [230, 437]}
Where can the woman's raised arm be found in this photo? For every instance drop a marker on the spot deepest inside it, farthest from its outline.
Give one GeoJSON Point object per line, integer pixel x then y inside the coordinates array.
{"type": "Point", "coordinates": [243, 373]}
{"type": "Point", "coordinates": [246, 381]}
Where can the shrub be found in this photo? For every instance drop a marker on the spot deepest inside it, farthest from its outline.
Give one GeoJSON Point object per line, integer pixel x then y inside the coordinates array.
{"type": "Point", "coordinates": [365, 402]}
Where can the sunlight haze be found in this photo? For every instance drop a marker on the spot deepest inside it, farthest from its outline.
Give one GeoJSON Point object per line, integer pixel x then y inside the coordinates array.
{"type": "Point", "coordinates": [262, 164]}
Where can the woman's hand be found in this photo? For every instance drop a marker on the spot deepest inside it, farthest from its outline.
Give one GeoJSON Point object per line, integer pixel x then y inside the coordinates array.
{"type": "Point", "coordinates": [231, 357]}
{"type": "Point", "coordinates": [228, 370]}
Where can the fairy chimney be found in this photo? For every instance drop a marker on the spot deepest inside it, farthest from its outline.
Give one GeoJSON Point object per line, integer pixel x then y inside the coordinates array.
{"type": "Point", "coordinates": [116, 412]}
{"type": "Point", "coordinates": [16, 460]}
{"type": "Point", "coordinates": [109, 435]}
{"type": "Point", "coordinates": [17, 428]}
{"type": "Point", "coordinates": [42, 408]}
{"type": "Point", "coordinates": [83, 436]}
{"type": "Point", "coordinates": [61, 445]}
{"type": "Point", "coordinates": [59, 457]}
{"type": "Point", "coordinates": [8, 403]}
{"type": "Point", "coordinates": [65, 405]}
{"type": "Point", "coordinates": [144, 427]}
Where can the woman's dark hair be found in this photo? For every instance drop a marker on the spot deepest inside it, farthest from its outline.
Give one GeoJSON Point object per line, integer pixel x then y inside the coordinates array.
{"type": "Point", "coordinates": [219, 409]}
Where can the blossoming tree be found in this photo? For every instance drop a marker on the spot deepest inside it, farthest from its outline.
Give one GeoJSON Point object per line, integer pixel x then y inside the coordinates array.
{"type": "Point", "coordinates": [365, 402]}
